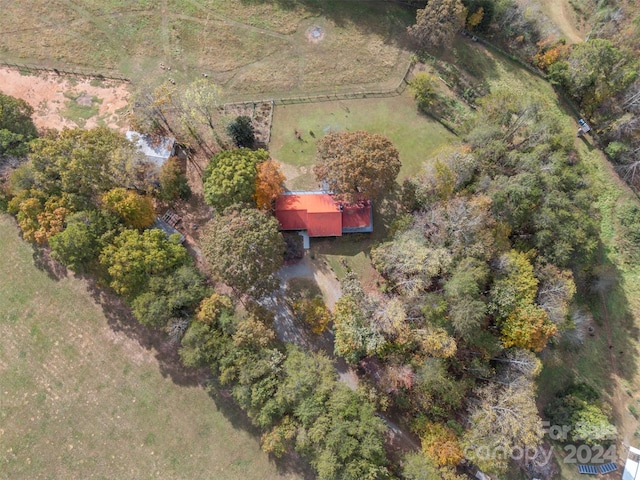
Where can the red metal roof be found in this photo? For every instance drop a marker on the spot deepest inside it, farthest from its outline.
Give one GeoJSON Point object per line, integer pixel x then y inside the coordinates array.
{"type": "Point", "coordinates": [320, 214]}
{"type": "Point", "coordinates": [320, 224]}
{"type": "Point", "coordinates": [356, 216]}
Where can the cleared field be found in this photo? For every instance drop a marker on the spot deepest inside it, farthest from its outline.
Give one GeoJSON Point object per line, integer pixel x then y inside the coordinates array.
{"type": "Point", "coordinates": [80, 398]}
{"type": "Point", "coordinates": [251, 47]}
{"type": "Point", "coordinates": [416, 136]}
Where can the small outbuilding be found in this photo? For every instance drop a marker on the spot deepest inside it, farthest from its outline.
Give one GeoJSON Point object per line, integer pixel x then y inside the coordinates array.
{"type": "Point", "coordinates": [156, 148]}
{"type": "Point", "coordinates": [632, 465]}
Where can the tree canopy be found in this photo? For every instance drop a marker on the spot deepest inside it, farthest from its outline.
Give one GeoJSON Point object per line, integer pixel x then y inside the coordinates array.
{"type": "Point", "coordinates": [230, 177]}
{"type": "Point", "coordinates": [438, 23]}
{"type": "Point", "coordinates": [135, 210]}
{"type": "Point", "coordinates": [87, 163]}
{"type": "Point", "coordinates": [269, 184]}
{"type": "Point", "coordinates": [244, 250]}
{"type": "Point", "coordinates": [135, 256]}
{"type": "Point", "coordinates": [357, 165]}
{"type": "Point", "coordinates": [16, 127]}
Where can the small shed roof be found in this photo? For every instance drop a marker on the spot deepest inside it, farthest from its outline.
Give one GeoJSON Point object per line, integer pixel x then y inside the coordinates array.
{"type": "Point", "coordinates": [156, 148]}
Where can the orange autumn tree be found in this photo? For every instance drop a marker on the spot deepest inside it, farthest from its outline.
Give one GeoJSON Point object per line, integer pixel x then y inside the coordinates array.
{"type": "Point", "coordinates": [269, 184]}
{"type": "Point", "coordinates": [439, 442]}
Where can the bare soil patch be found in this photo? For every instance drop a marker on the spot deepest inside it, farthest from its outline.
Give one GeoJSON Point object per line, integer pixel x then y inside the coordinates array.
{"type": "Point", "coordinates": [315, 34]}
{"type": "Point", "coordinates": [54, 96]}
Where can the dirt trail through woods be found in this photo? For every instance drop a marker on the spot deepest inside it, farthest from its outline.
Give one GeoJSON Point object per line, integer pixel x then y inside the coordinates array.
{"type": "Point", "coordinates": [60, 101]}
{"type": "Point", "coordinates": [558, 12]}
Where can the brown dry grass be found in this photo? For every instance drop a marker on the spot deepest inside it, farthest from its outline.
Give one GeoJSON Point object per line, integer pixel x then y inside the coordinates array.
{"type": "Point", "coordinates": [248, 47]}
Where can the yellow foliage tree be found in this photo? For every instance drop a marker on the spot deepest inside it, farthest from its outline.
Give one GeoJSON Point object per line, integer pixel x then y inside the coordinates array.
{"type": "Point", "coordinates": [436, 342]}
{"type": "Point", "coordinates": [314, 312]}
{"type": "Point", "coordinates": [269, 184]}
{"type": "Point", "coordinates": [28, 211]}
{"type": "Point", "coordinates": [277, 440]}
{"type": "Point", "coordinates": [529, 327]}
{"type": "Point", "coordinates": [475, 18]}
{"type": "Point", "coordinates": [440, 444]}
{"type": "Point", "coordinates": [211, 307]}
{"type": "Point", "coordinates": [135, 210]}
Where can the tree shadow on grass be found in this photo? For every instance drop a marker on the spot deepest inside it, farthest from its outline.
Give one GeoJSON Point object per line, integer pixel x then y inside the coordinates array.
{"type": "Point", "coordinates": [226, 404]}
{"type": "Point", "coordinates": [613, 314]}
{"type": "Point", "coordinates": [120, 319]}
{"type": "Point", "coordinates": [601, 347]}
{"type": "Point", "coordinates": [387, 19]}
{"type": "Point", "coordinates": [42, 261]}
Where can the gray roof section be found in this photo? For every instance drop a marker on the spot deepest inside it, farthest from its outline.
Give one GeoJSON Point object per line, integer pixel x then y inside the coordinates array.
{"type": "Point", "coordinates": [167, 229]}
{"type": "Point", "coordinates": [155, 148]}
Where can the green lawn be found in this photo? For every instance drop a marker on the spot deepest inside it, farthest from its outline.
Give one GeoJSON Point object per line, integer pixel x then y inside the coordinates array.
{"type": "Point", "coordinates": [82, 399]}
{"type": "Point", "coordinates": [416, 136]}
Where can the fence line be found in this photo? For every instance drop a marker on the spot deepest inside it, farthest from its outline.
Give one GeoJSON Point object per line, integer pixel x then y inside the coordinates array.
{"type": "Point", "coordinates": [325, 97]}
{"type": "Point", "coordinates": [64, 72]}
{"type": "Point", "coordinates": [332, 96]}
{"type": "Point", "coordinates": [268, 139]}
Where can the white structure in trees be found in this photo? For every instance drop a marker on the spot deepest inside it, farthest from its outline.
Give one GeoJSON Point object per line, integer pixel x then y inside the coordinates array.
{"type": "Point", "coordinates": [632, 467]}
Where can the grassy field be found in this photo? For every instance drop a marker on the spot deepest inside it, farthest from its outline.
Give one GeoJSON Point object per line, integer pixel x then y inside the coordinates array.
{"type": "Point", "coordinates": [607, 360]}
{"type": "Point", "coordinates": [250, 47]}
{"type": "Point", "coordinates": [416, 136]}
{"type": "Point", "coordinates": [81, 397]}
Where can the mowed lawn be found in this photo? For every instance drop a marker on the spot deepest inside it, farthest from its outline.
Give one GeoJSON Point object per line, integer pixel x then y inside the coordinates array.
{"type": "Point", "coordinates": [416, 136]}
{"type": "Point", "coordinates": [81, 400]}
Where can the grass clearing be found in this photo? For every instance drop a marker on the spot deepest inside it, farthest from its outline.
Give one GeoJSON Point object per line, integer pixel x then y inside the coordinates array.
{"type": "Point", "coordinates": [249, 47]}
{"type": "Point", "coordinates": [607, 360]}
{"type": "Point", "coordinates": [80, 107]}
{"type": "Point", "coordinates": [416, 136]}
{"type": "Point", "coordinates": [82, 399]}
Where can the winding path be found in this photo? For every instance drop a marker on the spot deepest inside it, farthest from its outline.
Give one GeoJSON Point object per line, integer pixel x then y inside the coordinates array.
{"type": "Point", "coordinates": [558, 13]}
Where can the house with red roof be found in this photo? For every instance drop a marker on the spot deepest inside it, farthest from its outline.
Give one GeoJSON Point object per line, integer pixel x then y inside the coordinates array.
{"type": "Point", "coordinates": [319, 214]}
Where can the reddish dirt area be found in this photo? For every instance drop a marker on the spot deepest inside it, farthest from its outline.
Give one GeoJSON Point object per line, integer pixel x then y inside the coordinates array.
{"type": "Point", "coordinates": [53, 98]}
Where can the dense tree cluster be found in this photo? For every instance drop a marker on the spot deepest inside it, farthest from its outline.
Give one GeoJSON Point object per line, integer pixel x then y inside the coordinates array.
{"type": "Point", "coordinates": [292, 395]}
{"type": "Point", "coordinates": [599, 74]}
{"type": "Point", "coordinates": [86, 194]}
{"type": "Point", "coordinates": [478, 279]}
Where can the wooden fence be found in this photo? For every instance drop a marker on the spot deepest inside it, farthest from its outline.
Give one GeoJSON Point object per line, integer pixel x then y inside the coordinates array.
{"type": "Point", "coordinates": [30, 68]}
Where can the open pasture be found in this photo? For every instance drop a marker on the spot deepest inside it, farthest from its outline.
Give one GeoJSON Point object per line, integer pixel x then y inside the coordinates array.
{"type": "Point", "coordinates": [416, 136]}
{"type": "Point", "coordinates": [247, 46]}
{"type": "Point", "coordinates": [85, 394]}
